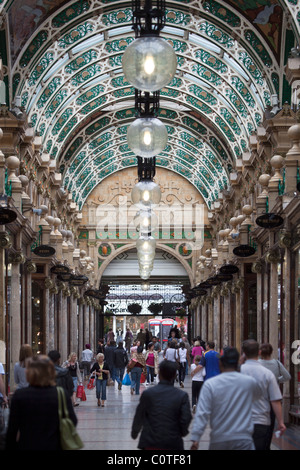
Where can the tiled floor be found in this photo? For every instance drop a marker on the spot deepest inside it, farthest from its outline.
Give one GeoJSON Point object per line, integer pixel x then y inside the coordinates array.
{"type": "Point", "coordinates": [109, 428]}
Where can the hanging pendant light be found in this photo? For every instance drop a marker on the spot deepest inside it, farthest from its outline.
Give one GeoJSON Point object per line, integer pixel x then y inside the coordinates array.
{"type": "Point", "coordinates": [147, 136]}
{"type": "Point", "coordinates": [146, 194]}
{"type": "Point", "coordinates": [149, 63]}
{"type": "Point", "coordinates": [145, 221]}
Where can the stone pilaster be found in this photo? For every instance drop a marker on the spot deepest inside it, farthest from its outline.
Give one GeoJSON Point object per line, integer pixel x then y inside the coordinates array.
{"type": "Point", "coordinates": [15, 321]}
{"type": "Point", "coordinates": [273, 315]}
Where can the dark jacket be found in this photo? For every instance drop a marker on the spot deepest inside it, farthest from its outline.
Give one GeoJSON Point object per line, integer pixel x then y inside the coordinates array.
{"type": "Point", "coordinates": [163, 414]}
{"type": "Point", "coordinates": [64, 380]}
{"type": "Point", "coordinates": [109, 355]}
{"type": "Point", "coordinates": [120, 358]}
{"type": "Point", "coordinates": [96, 367]}
{"type": "Point", "coordinates": [34, 412]}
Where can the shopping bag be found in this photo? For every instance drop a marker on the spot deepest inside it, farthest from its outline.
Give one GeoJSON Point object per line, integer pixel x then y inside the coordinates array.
{"type": "Point", "coordinates": [126, 380]}
{"type": "Point", "coordinates": [143, 378]}
{"type": "Point", "coordinates": [79, 391]}
{"type": "Point", "coordinates": [83, 396]}
{"type": "Point", "coordinates": [91, 383]}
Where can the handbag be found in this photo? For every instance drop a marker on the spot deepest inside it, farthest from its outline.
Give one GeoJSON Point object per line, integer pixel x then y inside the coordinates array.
{"type": "Point", "coordinates": [143, 378]}
{"type": "Point", "coordinates": [126, 380]}
{"type": "Point", "coordinates": [131, 365]}
{"type": "Point", "coordinates": [69, 438]}
{"type": "Point", "coordinates": [91, 383]}
{"type": "Point", "coordinates": [177, 359]}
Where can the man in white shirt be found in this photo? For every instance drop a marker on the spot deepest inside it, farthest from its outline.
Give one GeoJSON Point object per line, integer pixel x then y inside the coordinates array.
{"type": "Point", "coordinates": [226, 401]}
{"type": "Point", "coordinates": [270, 395]}
{"type": "Point", "coordinates": [87, 356]}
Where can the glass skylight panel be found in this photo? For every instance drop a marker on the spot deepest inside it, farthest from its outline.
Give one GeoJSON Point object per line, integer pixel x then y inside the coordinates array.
{"type": "Point", "coordinates": [34, 98]}
{"type": "Point", "coordinates": [88, 43]}
{"type": "Point", "coordinates": [118, 31]}
{"type": "Point", "coordinates": [257, 95]}
{"type": "Point", "coordinates": [204, 43]}
{"type": "Point", "coordinates": [197, 80]}
{"type": "Point", "coordinates": [223, 100]}
{"type": "Point", "coordinates": [99, 79]}
{"type": "Point", "coordinates": [174, 31]}
{"type": "Point", "coordinates": [58, 64]}
{"type": "Point", "coordinates": [232, 63]}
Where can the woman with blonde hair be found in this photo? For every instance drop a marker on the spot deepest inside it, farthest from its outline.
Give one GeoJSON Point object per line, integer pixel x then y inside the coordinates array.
{"type": "Point", "coordinates": [33, 420]}
{"type": "Point", "coordinates": [101, 369]}
{"type": "Point", "coordinates": [20, 367]}
{"type": "Point", "coordinates": [72, 365]}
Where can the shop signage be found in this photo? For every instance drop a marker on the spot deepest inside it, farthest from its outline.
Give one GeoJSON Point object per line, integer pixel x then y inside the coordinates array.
{"type": "Point", "coordinates": [64, 277]}
{"type": "Point", "coordinates": [213, 281]}
{"type": "Point", "coordinates": [269, 220]}
{"type": "Point", "coordinates": [60, 269]}
{"type": "Point", "coordinates": [95, 294]}
{"type": "Point", "coordinates": [79, 280]}
{"type": "Point", "coordinates": [200, 292]}
{"type": "Point", "coordinates": [204, 285]}
{"type": "Point", "coordinates": [7, 216]}
{"type": "Point", "coordinates": [244, 251]}
{"type": "Point", "coordinates": [229, 269]}
{"type": "Point", "coordinates": [224, 277]}
{"type": "Point", "coordinates": [44, 251]}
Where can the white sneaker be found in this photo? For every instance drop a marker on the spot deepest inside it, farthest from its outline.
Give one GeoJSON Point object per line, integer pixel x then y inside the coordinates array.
{"type": "Point", "coordinates": [147, 383]}
{"type": "Point", "coordinates": [194, 409]}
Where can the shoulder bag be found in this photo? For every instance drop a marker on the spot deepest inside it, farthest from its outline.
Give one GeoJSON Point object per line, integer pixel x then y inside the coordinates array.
{"type": "Point", "coordinates": [69, 438]}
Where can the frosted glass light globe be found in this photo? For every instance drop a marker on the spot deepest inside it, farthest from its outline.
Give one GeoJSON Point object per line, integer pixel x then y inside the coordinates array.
{"type": "Point", "coordinates": [149, 63]}
{"type": "Point", "coordinates": [146, 244]}
{"type": "Point", "coordinates": [147, 137]}
{"type": "Point", "coordinates": [145, 194]}
{"type": "Point", "coordinates": [145, 221]}
{"type": "Point", "coordinates": [146, 258]}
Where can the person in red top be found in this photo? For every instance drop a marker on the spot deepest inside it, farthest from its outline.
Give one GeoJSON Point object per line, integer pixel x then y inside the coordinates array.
{"type": "Point", "coordinates": [151, 359]}
{"type": "Point", "coordinates": [197, 350]}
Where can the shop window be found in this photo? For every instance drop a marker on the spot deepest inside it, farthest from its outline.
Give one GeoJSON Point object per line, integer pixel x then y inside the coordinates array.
{"type": "Point", "coordinates": [37, 302]}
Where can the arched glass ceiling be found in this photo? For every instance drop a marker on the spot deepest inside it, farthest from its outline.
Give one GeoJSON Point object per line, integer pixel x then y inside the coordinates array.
{"type": "Point", "coordinates": [70, 80]}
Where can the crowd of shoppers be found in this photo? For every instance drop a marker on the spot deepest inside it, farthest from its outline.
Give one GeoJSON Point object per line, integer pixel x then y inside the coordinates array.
{"type": "Point", "coordinates": [237, 395]}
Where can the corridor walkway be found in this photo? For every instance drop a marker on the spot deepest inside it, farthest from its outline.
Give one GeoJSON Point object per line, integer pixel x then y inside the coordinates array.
{"type": "Point", "coordinates": [109, 428]}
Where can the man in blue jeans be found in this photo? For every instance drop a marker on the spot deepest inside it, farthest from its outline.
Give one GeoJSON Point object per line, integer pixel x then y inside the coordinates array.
{"type": "Point", "coordinates": [120, 362]}
{"type": "Point", "coordinates": [137, 370]}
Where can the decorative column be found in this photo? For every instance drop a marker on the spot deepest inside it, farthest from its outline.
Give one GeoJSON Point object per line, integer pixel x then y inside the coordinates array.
{"type": "Point", "coordinates": [292, 158]}
{"type": "Point", "coordinates": [216, 322]}
{"type": "Point", "coordinates": [273, 315]}
{"type": "Point", "coordinates": [226, 319]}
{"type": "Point", "coordinates": [277, 163]}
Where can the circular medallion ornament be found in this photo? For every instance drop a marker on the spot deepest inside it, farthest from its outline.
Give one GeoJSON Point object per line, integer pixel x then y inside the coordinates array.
{"type": "Point", "coordinates": [244, 251]}
{"type": "Point", "coordinates": [104, 249]}
{"type": "Point", "coordinates": [44, 251]}
{"type": "Point", "coordinates": [269, 220]}
{"type": "Point", "coordinates": [229, 269]}
{"type": "Point", "coordinates": [7, 216]}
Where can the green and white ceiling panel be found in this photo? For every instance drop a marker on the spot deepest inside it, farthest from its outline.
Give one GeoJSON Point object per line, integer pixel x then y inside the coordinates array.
{"type": "Point", "coordinates": [107, 152]}
{"type": "Point", "coordinates": [70, 80]}
{"type": "Point", "coordinates": [82, 85]}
